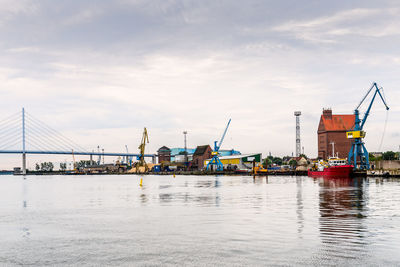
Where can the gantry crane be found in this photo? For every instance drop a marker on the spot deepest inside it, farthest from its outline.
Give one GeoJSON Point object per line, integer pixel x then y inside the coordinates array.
{"type": "Point", "coordinates": [215, 153]}
{"type": "Point", "coordinates": [141, 162]}
{"type": "Point", "coordinates": [358, 155]}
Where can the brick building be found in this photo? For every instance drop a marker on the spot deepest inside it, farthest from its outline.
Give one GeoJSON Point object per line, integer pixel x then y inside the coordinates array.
{"type": "Point", "coordinates": [333, 128]}
{"type": "Point", "coordinates": [200, 155]}
{"type": "Point", "coordinates": [164, 154]}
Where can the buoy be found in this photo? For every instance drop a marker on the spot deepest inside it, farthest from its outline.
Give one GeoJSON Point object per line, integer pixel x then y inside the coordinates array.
{"type": "Point", "coordinates": [141, 182]}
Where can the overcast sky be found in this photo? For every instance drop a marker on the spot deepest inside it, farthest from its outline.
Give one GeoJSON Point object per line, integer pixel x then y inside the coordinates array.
{"type": "Point", "coordinates": [100, 71]}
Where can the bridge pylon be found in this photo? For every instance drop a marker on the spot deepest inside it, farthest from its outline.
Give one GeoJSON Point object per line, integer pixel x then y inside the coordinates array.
{"type": "Point", "coordinates": [23, 143]}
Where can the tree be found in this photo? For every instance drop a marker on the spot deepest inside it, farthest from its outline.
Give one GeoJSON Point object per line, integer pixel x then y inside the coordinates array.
{"type": "Point", "coordinates": [277, 160]}
{"type": "Point", "coordinates": [82, 164]}
{"type": "Point", "coordinates": [293, 163]}
{"type": "Point", "coordinates": [266, 162]}
{"type": "Point", "coordinates": [389, 155]}
{"type": "Point", "coordinates": [63, 166]}
{"type": "Point", "coordinates": [46, 166]}
{"type": "Point", "coordinates": [371, 157]}
{"type": "Point", "coordinates": [50, 166]}
{"type": "Point", "coordinates": [303, 155]}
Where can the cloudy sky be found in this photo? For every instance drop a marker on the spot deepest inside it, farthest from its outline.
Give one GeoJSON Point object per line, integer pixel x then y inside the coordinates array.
{"type": "Point", "coordinates": [100, 71]}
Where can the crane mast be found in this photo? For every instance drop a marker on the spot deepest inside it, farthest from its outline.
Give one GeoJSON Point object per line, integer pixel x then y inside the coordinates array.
{"type": "Point", "coordinates": [358, 154]}
{"type": "Point", "coordinates": [215, 154]}
{"type": "Point", "coordinates": [141, 162]}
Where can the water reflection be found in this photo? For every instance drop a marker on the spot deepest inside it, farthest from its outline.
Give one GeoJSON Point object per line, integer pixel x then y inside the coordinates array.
{"type": "Point", "coordinates": [204, 183]}
{"type": "Point", "coordinates": [260, 179]}
{"type": "Point", "coordinates": [143, 198]}
{"type": "Point", "coordinates": [299, 210]}
{"type": "Point", "coordinates": [24, 194]}
{"type": "Point", "coordinates": [222, 221]}
{"type": "Point", "coordinates": [25, 229]}
{"type": "Point", "coordinates": [342, 212]}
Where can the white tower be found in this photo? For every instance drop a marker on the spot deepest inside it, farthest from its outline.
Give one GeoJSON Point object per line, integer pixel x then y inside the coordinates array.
{"type": "Point", "coordinates": [298, 144]}
{"type": "Point", "coordinates": [186, 154]}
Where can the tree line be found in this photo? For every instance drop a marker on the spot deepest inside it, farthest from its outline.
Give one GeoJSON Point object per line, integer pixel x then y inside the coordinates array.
{"type": "Point", "coordinates": [49, 166]}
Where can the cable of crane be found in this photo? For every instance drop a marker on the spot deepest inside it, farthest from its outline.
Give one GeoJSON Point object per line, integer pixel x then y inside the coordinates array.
{"type": "Point", "coordinates": [384, 130]}
{"type": "Point", "coordinates": [386, 120]}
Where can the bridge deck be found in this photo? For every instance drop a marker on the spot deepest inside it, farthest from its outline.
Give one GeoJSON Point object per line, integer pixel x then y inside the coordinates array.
{"type": "Point", "coordinates": [75, 153]}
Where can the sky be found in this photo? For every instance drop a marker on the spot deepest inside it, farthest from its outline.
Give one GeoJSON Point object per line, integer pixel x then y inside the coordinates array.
{"type": "Point", "coordinates": [100, 71]}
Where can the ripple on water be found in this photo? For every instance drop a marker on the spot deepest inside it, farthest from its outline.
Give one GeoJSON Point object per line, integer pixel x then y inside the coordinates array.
{"type": "Point", "coordinates": [198, 220]}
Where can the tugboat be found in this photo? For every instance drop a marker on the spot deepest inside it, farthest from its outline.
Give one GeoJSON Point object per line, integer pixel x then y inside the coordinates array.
{"type": "Point", "coordinates": [334, 167]}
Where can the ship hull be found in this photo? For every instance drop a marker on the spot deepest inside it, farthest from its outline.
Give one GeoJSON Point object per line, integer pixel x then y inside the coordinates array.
{"type": "Point", "coordinates": [333, 171]}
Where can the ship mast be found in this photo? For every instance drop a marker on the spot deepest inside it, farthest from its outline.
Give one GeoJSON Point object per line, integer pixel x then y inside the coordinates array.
{"type": "Point", "coordinates": [333, 149]}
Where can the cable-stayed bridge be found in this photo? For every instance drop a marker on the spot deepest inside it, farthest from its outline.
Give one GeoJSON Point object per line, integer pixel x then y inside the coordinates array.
{"type": "Point", "coordinates": [22, 133]}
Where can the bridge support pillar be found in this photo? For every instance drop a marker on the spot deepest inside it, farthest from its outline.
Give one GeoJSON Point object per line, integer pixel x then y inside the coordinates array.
{"type": "Point", "coordinates": [23, 163]}
{"type": "Point", "coordinates": [91, 159]}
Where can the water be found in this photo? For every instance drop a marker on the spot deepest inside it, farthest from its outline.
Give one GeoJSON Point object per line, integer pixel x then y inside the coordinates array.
{"type": "Point", "coordinates": [198, 220]}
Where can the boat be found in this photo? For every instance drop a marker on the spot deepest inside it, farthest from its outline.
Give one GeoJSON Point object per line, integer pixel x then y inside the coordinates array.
{"type": "Point", "coordinates": [334, 167]}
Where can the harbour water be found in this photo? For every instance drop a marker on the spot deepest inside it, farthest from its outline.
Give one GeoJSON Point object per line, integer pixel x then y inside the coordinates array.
{"type": "Point", "coordinates": [198, 220]}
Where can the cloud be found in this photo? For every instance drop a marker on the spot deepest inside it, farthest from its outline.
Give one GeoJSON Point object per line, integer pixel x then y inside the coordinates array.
{"type": "Point", "coordinates": [10, 9]}
{"type": "Point", "coordinates": [359, 21]}
{"type": "Point", "coordinates": [84, 16]}
{"type": "Point", "coordinates": [99, 74]}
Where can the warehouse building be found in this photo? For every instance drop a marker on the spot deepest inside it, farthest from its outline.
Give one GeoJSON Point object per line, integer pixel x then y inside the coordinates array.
{"type": "Point", "coordinates": [239, 162]}
{"type": "Point", "coordinates": [177, 152]}
{"type": "Point", "coordinates": [332, 134]}
{"type": "Point", "coordinates": [164, 154]}
{"type": "Point", "coordinates": [199, 156]}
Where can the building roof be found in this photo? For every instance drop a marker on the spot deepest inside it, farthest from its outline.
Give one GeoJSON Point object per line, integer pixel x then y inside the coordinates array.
{"type": "Point", "coordinates": [225, 152]}
{"type": "Point", "coordinates": [239, 156]}
{"type": "Point", "coordinates": [336, 123]}
{"type": "Point", "coordinates": [200, 150]}
{"type": "Point", "coordinates": [176, 150]}
{"type": "Point", "coordinates": [164, 149]}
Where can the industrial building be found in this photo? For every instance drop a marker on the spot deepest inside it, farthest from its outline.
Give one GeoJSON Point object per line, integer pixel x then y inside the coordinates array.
{"type": "Point", "coordinates": [181, 157]}
{"type": "Point", "coordinates": [332, 134]}
{"type": "Point", "coordinates": [164, 154]}
{"type": "Point", "coordinates": [240, 162]}
{"type": "Point", "coordinates": [224, 152]}
{"type": "Point", "coordinates": [195, 157]}
{"type": "Point", "coordinates": [177, 152]}
{"type": "Point", "coordinates": [199, 156]}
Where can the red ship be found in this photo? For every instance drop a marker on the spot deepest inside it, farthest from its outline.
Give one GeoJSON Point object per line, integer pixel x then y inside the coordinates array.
{"type": "Point", "coordinates": [335, 167]}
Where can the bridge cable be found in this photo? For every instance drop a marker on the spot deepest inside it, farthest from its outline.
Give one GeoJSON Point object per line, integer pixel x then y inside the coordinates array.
{"type": "Point", "coordinates": [32, 133]}
{"type": "Point", "coordinates": [11, 138]}
{"type": "Point", "coordinates": [56, 133]}
{"type": "Point", "coordinates": [45, 132]}
{"type": "Point", "coordinates": [14, 124]}
{"type": "Point", "coordinates": [30, 137]}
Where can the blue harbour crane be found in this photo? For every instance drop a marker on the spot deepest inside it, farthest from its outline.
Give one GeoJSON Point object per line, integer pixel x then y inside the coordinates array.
{"type": "Point", "coordinates": [215, 153]}
{"type": "Point", "coordinates": [358, 155]}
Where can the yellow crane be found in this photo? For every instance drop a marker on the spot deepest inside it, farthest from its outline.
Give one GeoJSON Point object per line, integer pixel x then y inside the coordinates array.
{"type": "Point", "coordinates": [141, 162]}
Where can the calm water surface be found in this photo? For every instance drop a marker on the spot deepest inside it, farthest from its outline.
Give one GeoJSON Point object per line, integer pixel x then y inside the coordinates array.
{"type": "Point", "coordinates": [198, 220]}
